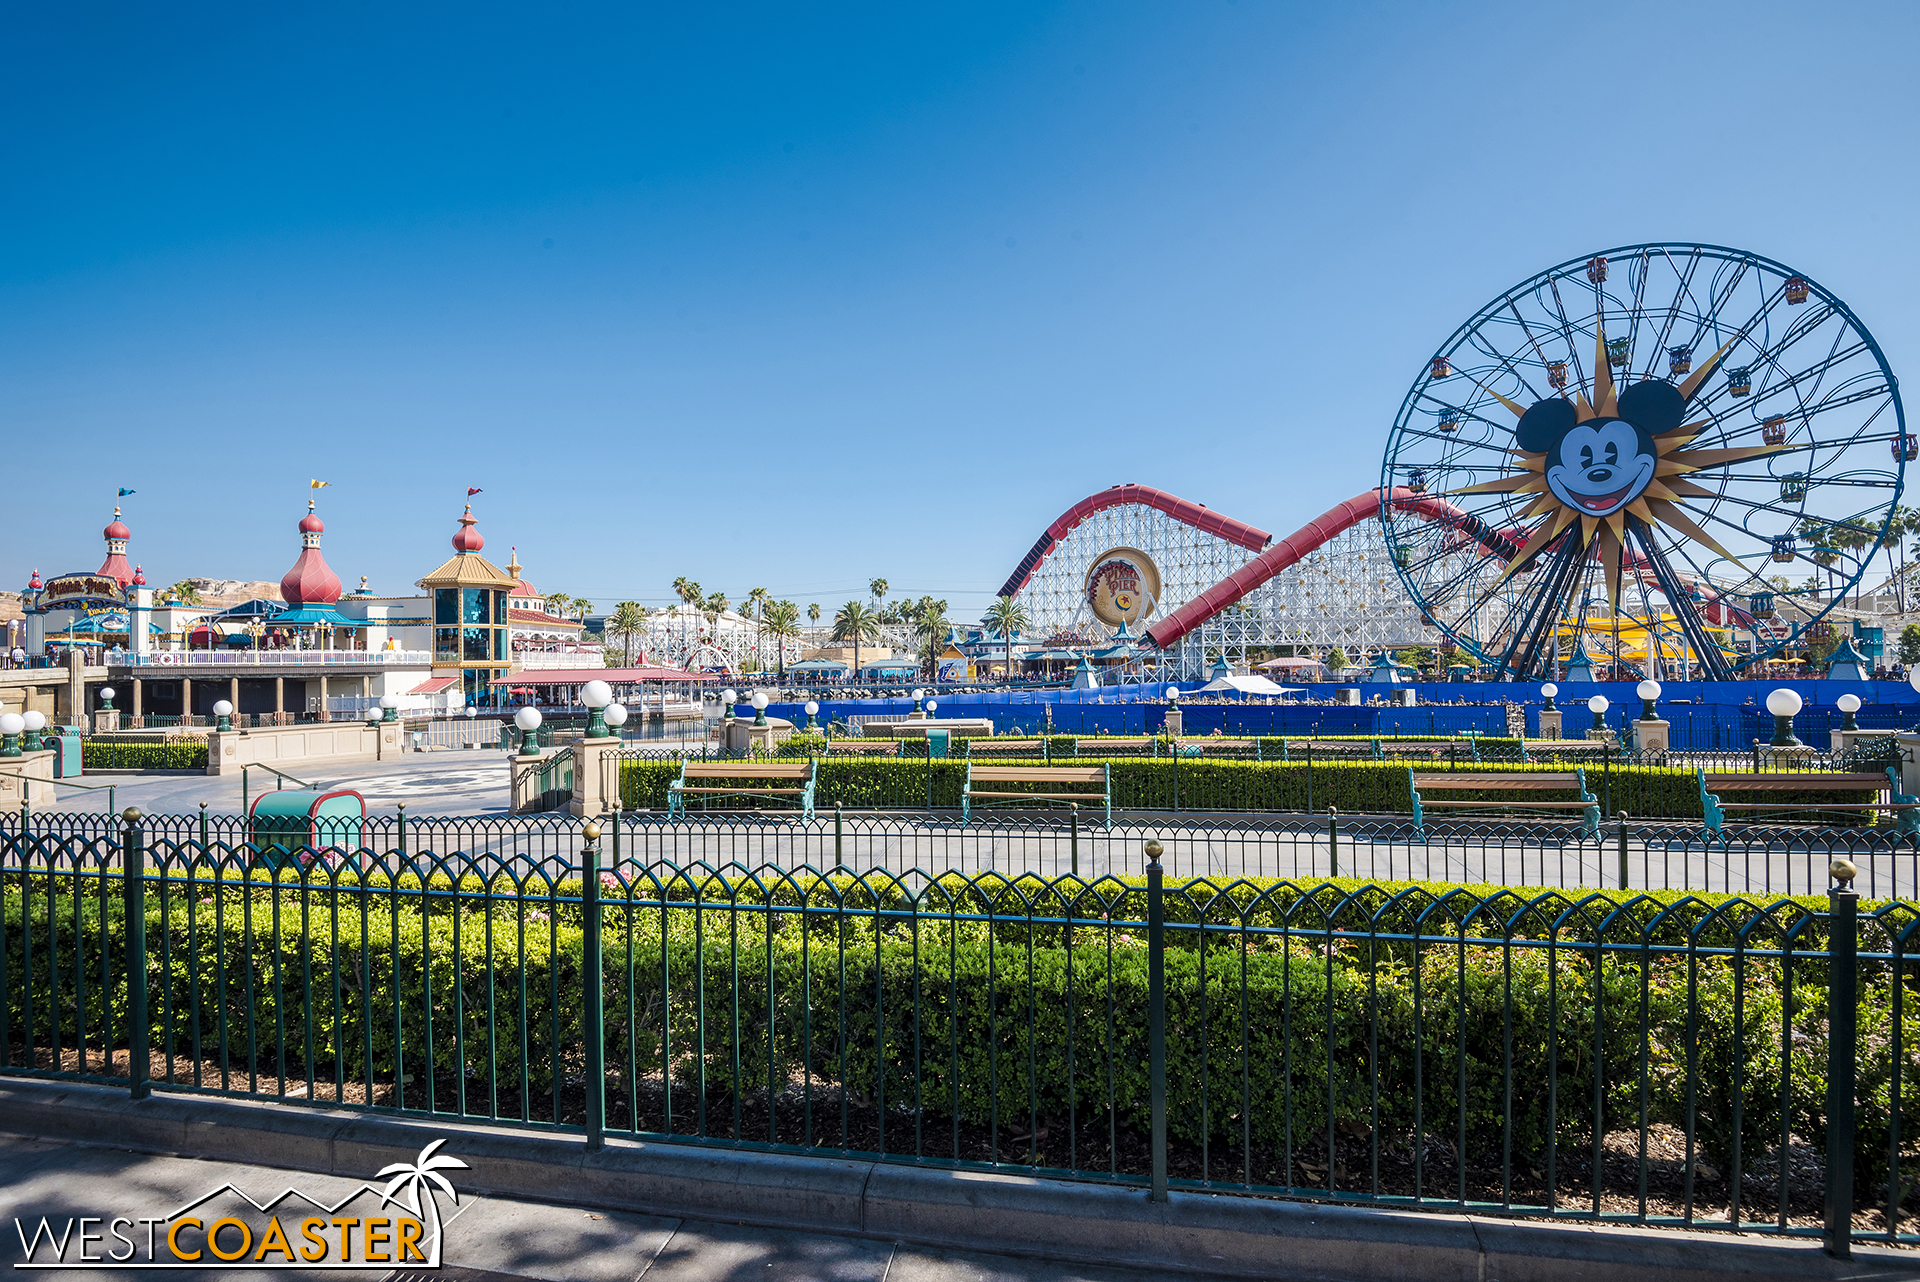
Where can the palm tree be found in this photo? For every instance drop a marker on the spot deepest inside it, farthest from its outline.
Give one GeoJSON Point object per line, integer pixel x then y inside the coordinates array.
{"type": "Point", "coordinates": [581, 606]}
{"type": "Point", "coordinates": [879, 589]}
{"type": "Point", "coordinates": [182, 592]}
{"type": "Point", "coordinates": [1007, 617]}
{"type": "Point", "coordinates": [932, 629]}
{"type": "Point", "coordinates": [782, 619]}
{"type": "Point", "coordinates": [627, 621]}
{"type": "Point", "coordinates": [422, 1175]}
{"type": "Point", "coordinates": [856, 623]}
{"type": "Point", "coordinates": [813, 614]}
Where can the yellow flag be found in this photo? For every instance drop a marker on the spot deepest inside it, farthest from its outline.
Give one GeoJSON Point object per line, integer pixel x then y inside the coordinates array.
{"type": "Point", "coordinates": [315, 485]}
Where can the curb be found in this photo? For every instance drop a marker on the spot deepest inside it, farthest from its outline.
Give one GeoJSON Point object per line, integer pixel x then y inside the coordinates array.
{"type": "Point", "coordinates": [929, 1206]}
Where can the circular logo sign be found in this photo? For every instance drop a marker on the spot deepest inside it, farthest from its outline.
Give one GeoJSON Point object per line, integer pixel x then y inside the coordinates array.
{"type": "Point", "coordinates": [1123, 586]}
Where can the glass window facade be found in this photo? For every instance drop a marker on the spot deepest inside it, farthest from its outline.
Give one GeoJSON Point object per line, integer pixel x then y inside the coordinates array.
{"type": "Point", "coordinates": [470, 630]}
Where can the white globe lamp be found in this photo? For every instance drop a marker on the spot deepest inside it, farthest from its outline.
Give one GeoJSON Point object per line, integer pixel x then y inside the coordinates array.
{"type": "Point", "coordinates": [528, 719]}
{"type": "Point", "coordinates": [1847, 703]}
{"type": "Point", "coordinates": [1785, 705]}
{"type": "Point", "coordinates": [1648, 692]}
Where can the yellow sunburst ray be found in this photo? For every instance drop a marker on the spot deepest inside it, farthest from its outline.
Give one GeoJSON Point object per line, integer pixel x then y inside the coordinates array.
{"type": "Point", "coordinates": [1697, 459]}
{"type": "Point", "coordinates": [1605, 402]}
{"type": "Point", "coordinates": [1640, 509]}
{"type": "Point", "coordinates": [1617, 522]}
{"type": "Point", "coordinates": [1682, 434]}
{"type": "Point", "coordinates": [1699, 376]}
{"type": "Point", "coordinates": [1523, 483]}
{"type": "Point", "coordinates": [1545, 502]}
{"type": "Point", "coordinates": [1532, 462]}
{"type": "Point", "coordinates": [1541, 537]}
{"type": "Point", "coordinates": [1581, 410]}
{"type": "Point", "coordinates": [1676, 487]}
{"type": "Point", "coordinates": [1609, 551]}
{"type": "Point", "coordinates": [1518, 410]}
{"type": "Point", "coordinates": [1672, 515]}
{"type": "Point", "coordinates": [1588, 524]}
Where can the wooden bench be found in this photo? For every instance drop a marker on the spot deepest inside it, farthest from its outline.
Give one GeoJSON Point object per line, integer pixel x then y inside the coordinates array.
{"type": "Point", "coordinates": [1508, 782]}
{"type": "Point", "coordinates": [801, 775]}
{"type": "Point", "coordinates": [1905, 808]}
{"type": "Point", "coordinates": [1094, 776]}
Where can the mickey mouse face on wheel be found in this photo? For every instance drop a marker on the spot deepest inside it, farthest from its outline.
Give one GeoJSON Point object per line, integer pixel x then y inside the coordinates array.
{"type": "Point", "coordinates": [1599, 466]}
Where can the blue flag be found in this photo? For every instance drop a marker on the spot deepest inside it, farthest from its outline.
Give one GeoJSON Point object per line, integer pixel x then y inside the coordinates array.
{"type": "Point", "coordinates": [124, 493]}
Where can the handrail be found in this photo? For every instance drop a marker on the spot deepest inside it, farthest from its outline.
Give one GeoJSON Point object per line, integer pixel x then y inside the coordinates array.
{"type": "Point", "coordinates": [245, 793]}
{"type": "Point", "coordinates": [107, 788]}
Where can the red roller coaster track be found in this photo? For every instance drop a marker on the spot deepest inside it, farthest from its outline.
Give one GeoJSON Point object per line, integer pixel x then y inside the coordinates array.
{"type": "Point", "coordinates": [1277, 557]}
{"type": "Point", "coordinates": [1196, 515]}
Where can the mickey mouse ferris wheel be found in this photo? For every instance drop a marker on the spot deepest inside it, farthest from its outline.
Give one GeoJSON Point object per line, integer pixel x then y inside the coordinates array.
{"type": "Point", "coordinates": [1663, 453]}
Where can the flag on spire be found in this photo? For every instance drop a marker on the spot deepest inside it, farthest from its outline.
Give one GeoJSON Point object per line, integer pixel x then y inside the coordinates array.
{"type": "Point", "coordinates": [318, 485]}
{"type": "Point", "coordinates": [472, 490]}
{"type": "Point", "coordinates": [124, 493]}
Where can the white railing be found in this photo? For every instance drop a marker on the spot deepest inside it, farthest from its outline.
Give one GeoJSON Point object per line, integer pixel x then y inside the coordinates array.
{"type": "Point", "coordinates": [281, 659]}
{"type": "Point", "coordinates": [545, 661]}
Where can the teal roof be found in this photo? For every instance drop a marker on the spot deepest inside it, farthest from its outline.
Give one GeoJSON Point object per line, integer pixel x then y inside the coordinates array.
{"type": "Point", "coordinates": [315, 616]}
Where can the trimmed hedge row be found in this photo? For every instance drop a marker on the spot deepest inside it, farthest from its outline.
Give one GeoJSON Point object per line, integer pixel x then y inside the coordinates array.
{"type": "Point", "coordinates": [1662, 792]}
{"type": "Point", "coordinates": [110, 754]}
{"type": "Point", "coordinates": [1279, 1036]}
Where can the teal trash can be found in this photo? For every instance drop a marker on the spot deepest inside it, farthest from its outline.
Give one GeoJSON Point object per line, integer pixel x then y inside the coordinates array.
{"type": "Point", "coordinates": [67, 751]}
{"type": "Point", "coordinates": [297, 826]}
{"type": "Point", "coordinates": [937, 743]}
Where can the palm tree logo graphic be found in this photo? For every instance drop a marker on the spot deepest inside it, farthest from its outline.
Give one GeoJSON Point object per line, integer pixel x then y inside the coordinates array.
{"type": "Point", "coordinates": [412, 1187]}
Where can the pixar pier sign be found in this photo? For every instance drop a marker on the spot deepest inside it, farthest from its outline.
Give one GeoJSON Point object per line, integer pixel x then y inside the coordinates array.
{"type": "Point", "coordinates": [397, 1224]}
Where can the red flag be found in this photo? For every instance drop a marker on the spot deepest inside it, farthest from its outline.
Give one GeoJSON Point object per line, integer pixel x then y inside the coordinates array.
{"type": "Point", "coordinates": [472, 490]}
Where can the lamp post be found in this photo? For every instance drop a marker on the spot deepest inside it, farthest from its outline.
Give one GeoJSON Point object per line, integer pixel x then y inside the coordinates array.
{"type": "Point", "coordinates": [528, 719]}
{"type": "Point", "coordinates": [389, 707]}
{"type": "Point", "coordinates": [931, 705]}
{"type": "Point", "coordinates": [728, 698]}
{"type": "Point", "coordinates": [106, 699]}
{"type": "Point", "coordinates": [919, 696]}
{"type": "Point", "coordinates": [11, 724]}
{"type": "Point", "coordinates": [37, 721]}
{"type": "Point", "coordinates": [616, 717]}
{"type": "Point", "coordinates": [1648, 691]}
{"type": "Point", "coordinates": [813, 710]}
{"type": "Point", "coordinates": [596, 695]}
{"type": "Point", "coordinates": [1847, 703]}
{"type": "Point", "coordinates": [1547, 691]}
{"type": "Point", "coordinates": [222, 713]}
{"type": "Point", "coordinates": [759, 702]}
{"type": "Point", "coordinates": [1784, 704]}
{"type": "Point", "coordinates": [1598, 707]}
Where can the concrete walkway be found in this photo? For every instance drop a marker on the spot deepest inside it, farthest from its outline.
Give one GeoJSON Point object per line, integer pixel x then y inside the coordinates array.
{"type": "Point", "coordinates": [486, 1235]}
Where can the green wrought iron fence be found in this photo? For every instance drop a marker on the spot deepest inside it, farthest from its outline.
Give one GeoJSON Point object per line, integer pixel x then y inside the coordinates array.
{"type": "Point", "coordinates": [1702, 1060]}
{"type": "Point", "coordinates": [1650, 855]}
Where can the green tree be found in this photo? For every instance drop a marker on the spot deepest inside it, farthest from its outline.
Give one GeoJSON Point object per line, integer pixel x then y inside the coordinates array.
{"type": "Point", "coordinates": [627, 621]}
{"type": "Point", "coordinates": [1336, 659]}
{"type": "Point", "coordinates": [1910, 643]}
{"type": "Point", "coordinates": [181, 593]}
{"type": "Point", "coordinates": [1007, 617]}
{"type": "Point", "coordinates": [932, 628]}
{"type": "Point", "coordinates": [782, 619]}
{"type": "Point", "coordinates": [855, 623]}
{"type": "Point", "coordinates": [879, 589]}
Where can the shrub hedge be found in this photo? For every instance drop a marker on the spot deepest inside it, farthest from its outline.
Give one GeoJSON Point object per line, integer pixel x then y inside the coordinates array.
{"type": "Point", "coordinates": [110, 754]}
{"type": "Point", "coordinates": [1269, 1036]}
{"type": "Point", "coordinates": [1140, 783]}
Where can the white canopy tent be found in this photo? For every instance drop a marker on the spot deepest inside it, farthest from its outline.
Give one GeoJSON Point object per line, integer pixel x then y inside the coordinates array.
{"type": "Point", "coordinates": [1248, 685]}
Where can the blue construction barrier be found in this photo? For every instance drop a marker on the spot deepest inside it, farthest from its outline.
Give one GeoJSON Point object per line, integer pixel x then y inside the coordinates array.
{"type": "Point", "coordinates": [1705, 715]}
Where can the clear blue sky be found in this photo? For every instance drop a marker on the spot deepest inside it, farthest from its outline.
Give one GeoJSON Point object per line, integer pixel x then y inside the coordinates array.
{"type": "Point", "coordinates": [796, 295]}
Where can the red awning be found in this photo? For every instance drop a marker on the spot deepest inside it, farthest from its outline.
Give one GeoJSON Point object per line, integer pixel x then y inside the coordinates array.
{"type": "Point", "coordinates": [580, 676]}
{"type": "Point", "coordinates": [434, 685]}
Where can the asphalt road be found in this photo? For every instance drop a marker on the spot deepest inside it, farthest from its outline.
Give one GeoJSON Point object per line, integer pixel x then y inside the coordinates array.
{"type": "Point", "coordinates": [485, 1237]}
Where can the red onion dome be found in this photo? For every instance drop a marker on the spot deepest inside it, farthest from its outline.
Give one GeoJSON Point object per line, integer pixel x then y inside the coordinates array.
{"type": "Point", "coordinates": [468, 539]}
{"type": "Point", "coordinates": [139, 577]}
{"type": "Point", "coordinates": [118, 530]}
{"type": "Point", "coordinates": [34, 584]}
{"type": "Point", "coordinates": [311, 581]}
